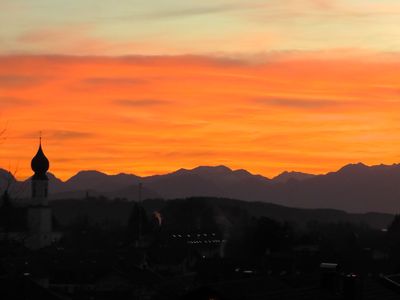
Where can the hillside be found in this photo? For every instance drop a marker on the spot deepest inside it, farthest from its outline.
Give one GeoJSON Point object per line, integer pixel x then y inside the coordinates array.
{"type": "Point", "coordinates": [99, 211]}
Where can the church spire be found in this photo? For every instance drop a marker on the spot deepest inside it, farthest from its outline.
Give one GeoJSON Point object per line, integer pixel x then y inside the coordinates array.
{"type": "Point", "coordinates": [39, 212]}
{"type": "Point", "coordinates": [40, 164]}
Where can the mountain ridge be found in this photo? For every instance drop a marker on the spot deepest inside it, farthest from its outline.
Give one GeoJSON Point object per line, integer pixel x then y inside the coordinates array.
{"type": "Point", "coordinates": [353, 188]}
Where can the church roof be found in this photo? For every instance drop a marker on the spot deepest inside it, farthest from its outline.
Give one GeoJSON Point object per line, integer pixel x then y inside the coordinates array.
{"type": "Point", "coordinates": [40, 164]}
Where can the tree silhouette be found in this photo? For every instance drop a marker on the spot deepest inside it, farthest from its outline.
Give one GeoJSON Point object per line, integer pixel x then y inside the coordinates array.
{"type": "Point", "coordinates": [393, 235]}
{"type": "Point", "coordinates": [394, 227]}
{"type": "Point", "coordinates": [5, 212]}
{"type": "Point", "coordinates": [7, 178]}
{"type": "Point", "coordinates": [270, 235]}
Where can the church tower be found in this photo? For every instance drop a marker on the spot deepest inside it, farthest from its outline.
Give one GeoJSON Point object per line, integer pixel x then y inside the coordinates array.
{"type": "Point", "coordinates": [39, 212]}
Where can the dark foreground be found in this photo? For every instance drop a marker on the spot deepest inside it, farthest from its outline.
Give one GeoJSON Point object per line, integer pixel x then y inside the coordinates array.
{"type": "Point", "coordinates": [195, 249]}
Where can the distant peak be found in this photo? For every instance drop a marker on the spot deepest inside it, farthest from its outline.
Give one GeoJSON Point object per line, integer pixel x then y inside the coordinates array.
{"type": "Point", "coordinates": [292, 175]}
{"type": "Point", "coordinates": [5, 174]}
{"type": "Point", "coordinates": [242, 172]}
{"type": "Point", "coordinates": [218, 168]}
{"type": "Point", "coordinates": [52, 176]}
{"type": "Point", "coordinates": [90, 172]}
{"type": "Point", "coordinates": [354, 167]}
{"type": "Point", "coordinates": [124, 174]}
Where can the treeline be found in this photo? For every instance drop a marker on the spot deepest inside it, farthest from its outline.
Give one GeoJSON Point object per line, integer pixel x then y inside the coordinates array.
{"type": "Point", "coordinates": [101, 209]}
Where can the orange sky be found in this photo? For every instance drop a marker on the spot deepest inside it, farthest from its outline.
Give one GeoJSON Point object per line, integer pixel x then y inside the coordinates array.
{"type": "Point", "coordinates": [304, 111]}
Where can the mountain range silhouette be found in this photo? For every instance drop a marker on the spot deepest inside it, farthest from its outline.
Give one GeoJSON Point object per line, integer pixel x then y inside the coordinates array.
{"type": "Point", "coordinates": [353, 188]}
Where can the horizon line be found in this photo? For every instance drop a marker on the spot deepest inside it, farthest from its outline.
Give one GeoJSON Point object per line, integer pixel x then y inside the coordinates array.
{"type": "Point", "coordinates": [204, 166]}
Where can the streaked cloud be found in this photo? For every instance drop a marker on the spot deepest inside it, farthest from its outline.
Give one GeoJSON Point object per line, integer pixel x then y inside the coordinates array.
{"type": "Point", "coordinates": [303, 103]}
{"type": "Point", "coordinates": [172, 27]}
{"type": "Point", "coordinates": [58, 135]}
{"type": "Point", "coordinates": [190, 11]}
{"type": "Point", "coordinates": [8, 102]}
{"type": "Point", "coordinates": [140, 102]}
{"type": "Point", "coordinates": [67, 135]}
{"type": "Point", "coordinates": [96, 81]}
{"type": "Point", "coordinates": [10, 81]}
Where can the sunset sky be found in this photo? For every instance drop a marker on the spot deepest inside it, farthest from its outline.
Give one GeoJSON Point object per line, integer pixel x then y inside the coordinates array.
{"type": "Point", "coordinates": [148, 87]}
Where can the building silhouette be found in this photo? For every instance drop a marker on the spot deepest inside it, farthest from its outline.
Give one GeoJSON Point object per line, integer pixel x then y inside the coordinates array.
{"type": "Point", "coordinates": [39, 217]}
{"type": "Point", "coordinates": [31, 225]}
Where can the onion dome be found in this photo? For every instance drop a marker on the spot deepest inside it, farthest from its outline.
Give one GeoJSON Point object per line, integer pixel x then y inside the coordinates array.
{"type": "Point", "coordinates": [40, 164]}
